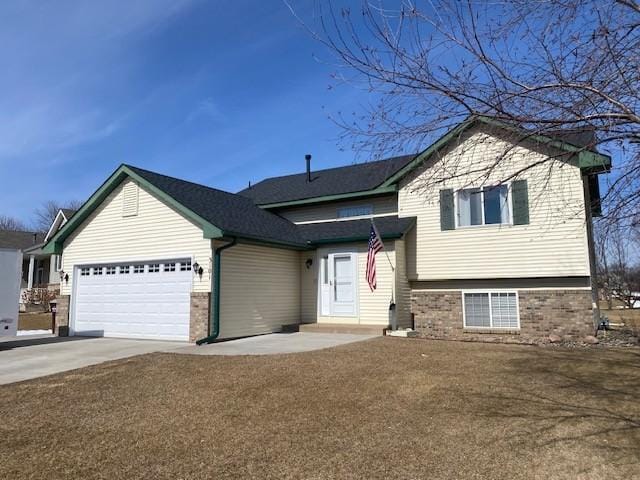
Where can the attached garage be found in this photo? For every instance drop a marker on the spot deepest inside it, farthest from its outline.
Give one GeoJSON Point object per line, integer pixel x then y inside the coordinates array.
{"type": "Point", "coordinates": [139, 260]}
{"type": "Point", "coordinates": [133, 300]}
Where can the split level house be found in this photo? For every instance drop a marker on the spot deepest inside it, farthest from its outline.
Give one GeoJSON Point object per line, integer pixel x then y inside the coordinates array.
{"type": "Point", "coordinates": [472, 245]}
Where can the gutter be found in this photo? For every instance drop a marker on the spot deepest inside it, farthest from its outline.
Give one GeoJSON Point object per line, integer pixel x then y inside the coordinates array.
{"type": "Point", "coordinates": [215, 295]}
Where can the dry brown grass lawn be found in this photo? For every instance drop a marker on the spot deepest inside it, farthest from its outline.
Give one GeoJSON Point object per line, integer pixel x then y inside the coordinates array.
{"type": "Point", "coordinates": [34, 321]}
{"type": "Point", "coordinates": [382, 409]}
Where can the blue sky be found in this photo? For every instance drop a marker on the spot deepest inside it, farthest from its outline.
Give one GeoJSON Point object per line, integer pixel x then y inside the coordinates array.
{"type": "Point", "coordinates": [216, 92]}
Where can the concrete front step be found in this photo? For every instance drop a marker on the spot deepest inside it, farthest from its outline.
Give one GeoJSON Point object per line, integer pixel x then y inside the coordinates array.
{"type": "Point", "coordinates": [342, 328]}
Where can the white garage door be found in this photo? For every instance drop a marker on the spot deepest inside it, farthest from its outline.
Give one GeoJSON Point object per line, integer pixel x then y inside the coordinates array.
{"type": "Point", "coordinates": [134, 300]}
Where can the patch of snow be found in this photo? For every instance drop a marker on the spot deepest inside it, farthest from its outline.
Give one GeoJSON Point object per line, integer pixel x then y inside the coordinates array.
{"type": "Point", "coordinates": [33, 332]}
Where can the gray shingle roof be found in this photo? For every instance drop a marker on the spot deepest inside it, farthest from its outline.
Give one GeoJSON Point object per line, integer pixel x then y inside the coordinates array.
{"type": "Point", "coordinates": [355, 230]}
{"type": "Point", "coordinates": [19, 240]}
{"type": "Point", "coordinates": [332, 181]}
{"type": "Point", "coordinates": [234, 214]}
{"type": "Point", "coordinates": [238, 215]}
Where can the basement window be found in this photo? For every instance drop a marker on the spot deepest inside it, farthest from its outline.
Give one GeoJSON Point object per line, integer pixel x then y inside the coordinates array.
{"type": "Point", "coordinates": [491, 310]}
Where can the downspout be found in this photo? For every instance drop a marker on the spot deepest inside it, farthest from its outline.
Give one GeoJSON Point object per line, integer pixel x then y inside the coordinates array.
{"type": "Point", "coordinates": [215, 295]}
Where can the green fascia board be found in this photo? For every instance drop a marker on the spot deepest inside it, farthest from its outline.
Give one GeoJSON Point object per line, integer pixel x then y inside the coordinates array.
{"type": "Point", "coordinates": [331, 198]}
{"type": "Point", "coordinates": [54, 246]}
{"type": "Point", "coordinates": [251, 240]}
{"type": "Point", "coordinates": [587, 159]}
{"type": "Point", "coordinates": [361, 238]}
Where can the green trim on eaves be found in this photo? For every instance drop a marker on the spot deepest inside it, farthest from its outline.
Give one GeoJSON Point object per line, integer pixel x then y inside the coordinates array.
{"type": "Point", "coordinates": [361, 238]}
{"type": "Point", "coordinates": [54, 245]}
{"type": "Point", "coordinates": [331, 198]}
{"type": "Point", "coordinates": [587, 160]}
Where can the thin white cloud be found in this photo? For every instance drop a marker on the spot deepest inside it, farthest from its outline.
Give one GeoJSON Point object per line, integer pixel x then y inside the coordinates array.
{"type": "Point", "coordinates": [58, 59]}
{"type": "Point", "coordinates": [206, 109]}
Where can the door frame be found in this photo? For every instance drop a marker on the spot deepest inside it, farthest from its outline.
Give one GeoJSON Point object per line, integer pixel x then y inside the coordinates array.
{"type": "Point", "coordinates": [330, 252]}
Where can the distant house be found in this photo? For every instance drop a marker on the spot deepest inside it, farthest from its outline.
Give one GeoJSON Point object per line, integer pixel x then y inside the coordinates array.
{"type": "Point", "coordinates": [42, 270]}
{"type": "Point", "coordinates": [152, 256]}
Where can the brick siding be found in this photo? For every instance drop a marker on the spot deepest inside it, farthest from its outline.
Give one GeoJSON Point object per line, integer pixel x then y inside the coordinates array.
{"type": "Point", "coordinates": [62, 312]}
{"type": "Point", "coordinates": [199, 321]}
{"type": "Point", "coordinates": [567, 313]}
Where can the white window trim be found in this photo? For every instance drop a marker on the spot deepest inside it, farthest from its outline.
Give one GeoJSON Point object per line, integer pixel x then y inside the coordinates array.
{"type": "Point", "coordinates": [483, 225]}
{"type": "Point", "coordinates": [491, 327]}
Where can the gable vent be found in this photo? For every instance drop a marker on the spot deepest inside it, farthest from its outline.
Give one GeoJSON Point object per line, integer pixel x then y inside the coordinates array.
{"type": "Point", "coordinates": [130, 200]}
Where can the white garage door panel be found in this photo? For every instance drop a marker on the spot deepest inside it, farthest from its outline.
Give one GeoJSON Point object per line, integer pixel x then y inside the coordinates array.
{"type": "Point", "coordinates": [133, 305]}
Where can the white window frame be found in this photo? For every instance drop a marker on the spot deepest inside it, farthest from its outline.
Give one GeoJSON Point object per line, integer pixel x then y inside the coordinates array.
{"type": "Point", "coordinates": [456, 206]}
{"type": "Point", "coordinates": [489, 292]}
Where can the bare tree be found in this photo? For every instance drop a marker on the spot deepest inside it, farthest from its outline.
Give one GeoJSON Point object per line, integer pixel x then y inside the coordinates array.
{"type": "Point", "coordinates": [11, 223]}
{"type": "Point", "coordinates": [618, 264]}
{"type": "Point", "coordinates": [552, 67]}
{"type": "Point", "coordinates": [46, 213]}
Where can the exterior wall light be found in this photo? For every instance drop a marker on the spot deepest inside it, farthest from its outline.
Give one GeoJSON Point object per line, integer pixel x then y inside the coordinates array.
{"type": "Point", "coordinates": [308, 263]}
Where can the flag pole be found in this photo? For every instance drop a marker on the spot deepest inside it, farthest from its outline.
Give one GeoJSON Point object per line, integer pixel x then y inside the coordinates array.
{"type": "Point", "coordinates": [393, 269]}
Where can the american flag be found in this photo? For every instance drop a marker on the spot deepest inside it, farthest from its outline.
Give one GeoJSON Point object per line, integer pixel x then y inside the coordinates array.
{"type": "Point", "coordinates": [375, 245]}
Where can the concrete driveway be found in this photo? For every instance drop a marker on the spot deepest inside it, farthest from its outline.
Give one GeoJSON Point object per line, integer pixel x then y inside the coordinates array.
{"type": "Point", "coordinates": [23, 358]}
{"type": "Point", "coordinates": [276, 343]}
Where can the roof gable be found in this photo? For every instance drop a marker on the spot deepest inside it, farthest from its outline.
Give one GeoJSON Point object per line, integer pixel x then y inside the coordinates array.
{"type": "Point", "coordinates": [217, 213]}
{"type": "Point", "coordinates": [588, 159]}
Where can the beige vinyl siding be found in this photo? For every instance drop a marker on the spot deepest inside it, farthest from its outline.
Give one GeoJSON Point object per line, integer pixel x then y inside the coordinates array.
{"type": "Point", "coordinates": [403, 289]}
{"type": "Point", "coordinates": [260, 290]}
{"type": "Point", "coordinates": [156, 232]}
{"type": "Point", "coordinates": [373, 307]}
{"type": "Point", "coordinates": [386, 205]}
{"type": "Point", "coordinates": [309, 287]}
{"type": "Point", "coordinates": [554, 244]}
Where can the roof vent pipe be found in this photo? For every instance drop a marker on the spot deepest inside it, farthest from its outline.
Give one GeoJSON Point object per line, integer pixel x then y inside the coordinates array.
{"type": "Point", "coordinates": [307, 157]}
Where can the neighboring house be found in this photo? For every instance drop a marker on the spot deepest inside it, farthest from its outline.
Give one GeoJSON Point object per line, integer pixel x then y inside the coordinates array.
{"type": "Point", "coordinates": [151, 256]}
{"type": "Point", "coordinates": [42, 270]}
{"type": "Point", "coordinates": [21, 241]}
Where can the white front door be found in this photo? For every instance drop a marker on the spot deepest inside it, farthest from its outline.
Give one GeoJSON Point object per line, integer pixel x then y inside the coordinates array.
{"type": "Point", "coordinates": [133, 300]}
{"type": "Point", "coordinates": [339, 284]}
